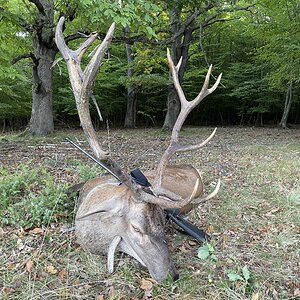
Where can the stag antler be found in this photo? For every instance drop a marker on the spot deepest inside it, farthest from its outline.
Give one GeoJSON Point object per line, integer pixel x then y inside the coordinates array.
{"type": "Point", "coordinates": [186, 108]}
{"type": "Point", "coordinates": [82, 83]}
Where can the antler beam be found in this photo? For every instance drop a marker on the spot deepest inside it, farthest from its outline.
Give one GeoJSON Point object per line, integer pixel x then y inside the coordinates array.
{"type": "Point", "coordinates": [186, 108]}
{"type": "Point", "coordinates": [82, 83]}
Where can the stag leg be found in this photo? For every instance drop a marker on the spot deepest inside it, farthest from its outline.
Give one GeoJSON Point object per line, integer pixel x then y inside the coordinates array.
{"type": "Point", "coordinates": [111, 253]}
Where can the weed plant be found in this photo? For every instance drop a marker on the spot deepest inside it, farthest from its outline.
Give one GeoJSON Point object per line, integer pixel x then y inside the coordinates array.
{"type": "Point", "coordinates": [31, 198]}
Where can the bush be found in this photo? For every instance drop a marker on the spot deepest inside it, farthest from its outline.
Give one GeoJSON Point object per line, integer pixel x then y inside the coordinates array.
{"type": "Point", "coordinates": [30, 198]}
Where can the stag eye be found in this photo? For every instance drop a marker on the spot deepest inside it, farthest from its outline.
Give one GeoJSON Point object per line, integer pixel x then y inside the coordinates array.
{"type": "Point", "coordinates": [136, 229]}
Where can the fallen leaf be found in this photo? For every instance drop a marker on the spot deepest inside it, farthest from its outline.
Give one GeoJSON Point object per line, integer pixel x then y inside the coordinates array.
{"type": "Point", "coordinates": [87, 286]}
{"type": "Point", "coordinates": [21, 232]}
{"type": "Point", "coordinates": [11, 266]}
{"type": "Point", "coordinates": [7, 290]}
{"type": "Point", "coordinates": [51, 270]}
{"type": "Point", "coordinates": [29, 265]}
{"type": "Point", "coordinates": [146, 284]}
{"type": "Point", "coordinates": [1, 232]}
{"type": "Point", "coordinates": [62, 274]}
{"type": "Point", "coordinates": [152, 280]}
{"type": "Point", "coordinates": [297, 292]}
{"type": "Point", "coordinates": [228, 177]}
{"type": "Point", "coordinates": [255, 296]}
{"type": "Point", "coordinates": [192, 243]}
{"type": "Point", "coordinates": [147, 295]}
{"type": "Point", "coordinates": [60, 215]}
{"type": "Point", "coordinates": [36, 230]}
{"type": "Point", "coordinates": [99, 297]}
{"type": "Point", "coordinates": [183, 249]}
{"type": "Point", "coordinates": [273, 211]}
{"type": "Point", "coordinates": [20, 244]}
{"type": "Point", "coordinates": [210, 229]}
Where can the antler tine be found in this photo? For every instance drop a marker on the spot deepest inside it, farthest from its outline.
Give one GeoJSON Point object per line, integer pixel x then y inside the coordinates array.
{"type": "Point", "coordinates": [85, 45]}
{"type": "Point", "coordinates": [95, 62]}
{"type": "Point", "coordinates": [207, 78]}
{"type": "Point", "coordinates": [212, 89]}
{"type": "Point", "coordinates": [179, 64]}
{"type": "Point", "coordinates": [210, 196]}
{"type": "Point", "coordinates": [60, 41]}
{"type": "Point", "coordinates": [205, 90]}
{"type": "Point", "coordinates": [197, 146]}
{"type": "Point", "coordinates": [174, 70]}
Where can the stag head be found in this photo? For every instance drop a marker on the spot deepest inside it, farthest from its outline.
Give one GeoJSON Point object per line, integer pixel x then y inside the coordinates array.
{"type": "Point", "coordinates": [128, 217]}
{"type": "Point", "coordinates": [109, 220]}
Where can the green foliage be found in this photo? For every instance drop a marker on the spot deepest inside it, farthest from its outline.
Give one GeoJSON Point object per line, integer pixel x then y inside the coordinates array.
{"type": "Point", "coordinates": [257, 53]}
{"type": "Point", "coordinates": [15, 92]}
{"type": "Point", "coordinates": [206, 252]}
{"type": "Point", "coordinates": [234, 275]}
{"type": "Point", "coordinates": [138, 15]}
{"type": "Point", "coordinates": [86, 172]}
{"type": "Point", "coordinates": [242, 279]}
{"type": "Point", "coordinates": [29, 198]}
{"type": "Point", "coordinates": [280, 35]}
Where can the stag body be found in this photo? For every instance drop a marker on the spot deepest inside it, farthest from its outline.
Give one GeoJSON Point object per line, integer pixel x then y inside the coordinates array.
{"type": "Point", "coordinates": [108, 213]}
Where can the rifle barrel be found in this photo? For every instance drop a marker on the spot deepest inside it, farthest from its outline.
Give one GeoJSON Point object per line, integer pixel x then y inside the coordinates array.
{"type": "Point", "coordinates": [101, 164]}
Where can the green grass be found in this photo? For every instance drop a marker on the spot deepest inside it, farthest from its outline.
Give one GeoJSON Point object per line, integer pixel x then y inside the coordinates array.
{"type": "Point", "coordinates": [254, 223]}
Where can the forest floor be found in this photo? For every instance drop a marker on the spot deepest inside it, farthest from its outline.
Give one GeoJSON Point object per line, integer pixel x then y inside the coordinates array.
{"type": "Point", "coordinates": [254, 221]}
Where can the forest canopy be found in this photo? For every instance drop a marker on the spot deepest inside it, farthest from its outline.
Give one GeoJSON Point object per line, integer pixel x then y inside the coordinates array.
{"type": "Point", "coordinates": [255, 44]}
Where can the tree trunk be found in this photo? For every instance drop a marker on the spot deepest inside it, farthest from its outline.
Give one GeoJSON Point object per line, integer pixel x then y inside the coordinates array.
{"type": "Point", "coordinates": [41, 121]}
{"type": "Point", "coordinates": [287, 106]}
{"type": "Point", "coordinates": [130, 117]}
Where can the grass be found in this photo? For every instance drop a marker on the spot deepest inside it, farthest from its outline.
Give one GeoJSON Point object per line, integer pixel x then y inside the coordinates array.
{"type": "Point", "coordinates": [254, 223]}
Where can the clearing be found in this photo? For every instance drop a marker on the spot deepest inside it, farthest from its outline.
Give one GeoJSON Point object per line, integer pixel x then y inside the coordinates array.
{"type": "Point", "coordinates": [254, 221]}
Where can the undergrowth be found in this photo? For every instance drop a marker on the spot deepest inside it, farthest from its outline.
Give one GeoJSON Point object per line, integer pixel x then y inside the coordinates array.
{"type": "Point", "coordinates": [31, 198]}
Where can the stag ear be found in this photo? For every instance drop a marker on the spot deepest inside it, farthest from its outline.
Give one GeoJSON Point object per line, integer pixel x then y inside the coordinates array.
{"type": "Point", "coordinates": [105, 209]}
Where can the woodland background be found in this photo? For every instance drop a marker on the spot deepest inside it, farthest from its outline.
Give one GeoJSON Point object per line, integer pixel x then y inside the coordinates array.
{"type": "Point", "coordinates": [255, 44]}
{"type": "Point", "coordinates": [254, 221]}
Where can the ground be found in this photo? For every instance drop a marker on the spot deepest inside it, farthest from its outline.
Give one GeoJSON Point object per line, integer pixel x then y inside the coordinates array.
{"type": "Point", "coordinates": [254, 221]}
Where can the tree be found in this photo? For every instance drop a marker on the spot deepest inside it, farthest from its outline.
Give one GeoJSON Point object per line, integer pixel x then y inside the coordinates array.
{"type": "Point", "coordinates": [187, 18]}
{"type": "Point", "coordinates": [15, 99]}
{"type": "Point", "coordinates": [130, 117]}
{"type": "Point", "coordinates": [279, 29]}
{"type": "Point", "coordinates": [37, 18]}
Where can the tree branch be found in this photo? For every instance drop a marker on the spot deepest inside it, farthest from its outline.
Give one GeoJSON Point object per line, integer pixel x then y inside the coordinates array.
{"type": "Point", "coordinates": [25, 55]}
{"type": "Point", "coordinates": [38, 5]}
{"type": "Point", "coordinates": [142, 38]}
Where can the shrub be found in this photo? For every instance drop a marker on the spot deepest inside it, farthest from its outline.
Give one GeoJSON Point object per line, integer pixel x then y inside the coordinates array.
{"type": "Point", "coordinates": [30, 198]}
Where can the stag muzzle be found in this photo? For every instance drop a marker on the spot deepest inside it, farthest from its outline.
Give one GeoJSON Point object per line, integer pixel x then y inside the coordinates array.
{"type": "Point", "coordinates": [154, 255]}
